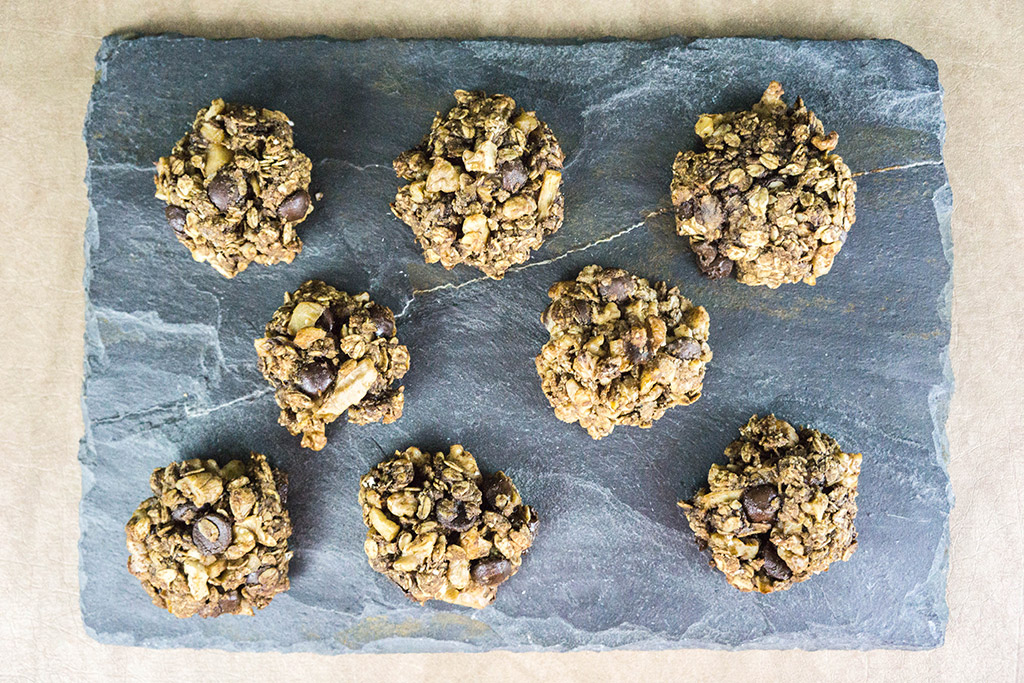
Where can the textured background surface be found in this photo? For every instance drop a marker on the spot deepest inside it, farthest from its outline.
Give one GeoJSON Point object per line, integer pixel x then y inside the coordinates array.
{"type": "Point", "coordinates": [46, 72]}
{"type": "Point", "coordinates": [862, 356]}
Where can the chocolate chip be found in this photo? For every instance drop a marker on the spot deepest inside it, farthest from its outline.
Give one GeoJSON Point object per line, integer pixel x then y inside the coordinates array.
{"type": "Point", "coordinates": [581, 312]}
{"type": "Point", "coordinates": [383, 319]}
{"type": "Point", "coordinates": [710, 262]}
{"type": "Point", "coordinates": [212, 534]}
{"type": "Point", "coordinates": [513, 175]}
{"type": "Point", "coordinates": [617, 286]}
{"type": "Point", "coordinates": [455, 515]}
{"type": "Point", "coordinates": [705, 253]}
{"type": "Point", "coordinates": [565, 313]}
{"type": "Point", "coordinates": [491, 571]}
{"type": "Point", "coordinates": [685, 209]}
{"type": "Point", "coordinates": [498, 484]}
{"type": "Point", "coordinates": [719, 268]}
{"type": "Point", "coordinates": [314, 377]}
{"type": "Point", "coordinates": [327, 322]}
{"type": "Point", "coordinates": [758, 503]}
{"type": "Point", "coordinates": [185, 512]}
{"type": "Point", "coordinates": [223, 192]}
{"type": "Point", "coordinates": [229, 604]}
{"type": "Point", "coordinates": [342, 312]}
{"type": "Point", "coordinates": [294, 206]}
{"type": "Point", "coordinates": [774, 566]}
{"type": "Point", "coordinates": [684, 348]}
{"type": "Point", "coordinates": [636, 348]}
{"type": "Point", "coordinates": [176, 219]}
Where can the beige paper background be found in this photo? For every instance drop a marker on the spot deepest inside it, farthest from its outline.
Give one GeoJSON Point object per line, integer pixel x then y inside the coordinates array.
{"type": "Point", "coordinates": [46, 71]}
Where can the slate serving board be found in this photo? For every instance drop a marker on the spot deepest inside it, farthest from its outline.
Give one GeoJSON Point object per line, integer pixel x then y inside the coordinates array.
{"type": "Point", "coordinates": [171, 372]}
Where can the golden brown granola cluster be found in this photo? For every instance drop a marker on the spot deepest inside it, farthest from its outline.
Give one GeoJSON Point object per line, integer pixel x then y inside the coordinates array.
{"type": "Point", "coordinates": [485, 185]}
{"type": "Point", "coordinates": [768, 199]}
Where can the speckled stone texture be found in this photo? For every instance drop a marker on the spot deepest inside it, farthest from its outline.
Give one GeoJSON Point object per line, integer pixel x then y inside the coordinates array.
{"type": "Point", "coordinates": [171, 373]}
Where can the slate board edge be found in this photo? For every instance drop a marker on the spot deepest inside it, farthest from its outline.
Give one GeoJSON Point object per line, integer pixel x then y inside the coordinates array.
{"type": "Point", "coordinates": [939, 397]}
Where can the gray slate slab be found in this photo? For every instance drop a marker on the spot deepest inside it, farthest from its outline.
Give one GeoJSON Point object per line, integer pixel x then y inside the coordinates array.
{"type": "Point", "coordinates": [171, 371]}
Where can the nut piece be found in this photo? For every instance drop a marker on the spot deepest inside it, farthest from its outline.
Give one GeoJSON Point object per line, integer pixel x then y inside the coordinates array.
{"type": "Point", "coordinates": [240, 186]}
{"type": "Point", "coordinates": [212, 540]}
{"type": "Point", "coordinates": [621, 351]}
{"type": "Point", "coordinates": [767, 200]}
{"type": "Point", "coordinates": [305, 314]}
{"type": "Point", "coordinates": [548, 192]}
{"type": "Point", "coordinates": [216, 156]}
{"type": "Point", "coordinates": [326, 352]}
{"type": "Point", "coordinates": [484, 185]}
{"type": "Point", "coordinates": [475, 232]}
{"type": "Point", "coordinates": [781, 510]}
{"type": "Point", "coordinates": [353, 381]}
{"type": "Point", "coordinates": [440, 530]}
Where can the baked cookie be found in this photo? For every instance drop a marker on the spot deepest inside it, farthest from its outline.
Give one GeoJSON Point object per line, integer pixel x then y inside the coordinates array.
{"type": "Point", "coordinates": [622, 351]}
{"type": "Point", "coordinates": [212, 540]}
{"type": "Point", "coordinates": [236, 188]}
{"type": "Point", "coordinates": [768, 199]}
{"type": "Point", "coordinates": [441, 530]}
{"type": "Point", "coordinates": [326, 352]}
{"type": "Point", "coordinates": [781, 510]}
{"type": "Point", "coordinates": [484, 185]}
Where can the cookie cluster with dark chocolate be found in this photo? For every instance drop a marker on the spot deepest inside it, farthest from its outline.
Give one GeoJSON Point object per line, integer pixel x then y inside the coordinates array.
{"type": "Point", "coordinates": [622, 351]}
{"type": "Point", "coordinates": [328, 352]}
{"type": "Point", "coordinates": [440, 529]}
{"type": "Point", "coordinates": [484, 185]}
{"type": "Point", "coordinates": [781, 509]}
{"type": "Point", "coordinates": [212, 540]}
{"type": "Point", "coordinates": [236, 188]}
{"type": "Point", "coordinates": [767, 200]}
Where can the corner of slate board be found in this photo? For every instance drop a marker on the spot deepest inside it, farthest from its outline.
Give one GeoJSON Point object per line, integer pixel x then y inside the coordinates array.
{"type": "Point", "coordinates": [170, 374]}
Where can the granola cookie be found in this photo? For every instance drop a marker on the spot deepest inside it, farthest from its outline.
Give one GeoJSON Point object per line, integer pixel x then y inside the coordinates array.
{"type": "Point", "coordinates": [236, 188]}
{"type": "Point", "coordinates": [768, 199]}
{"type": "Point", "coordinates": [484, 185]}
{"type": "Point", "coordinates": [327, 352]}
{"type": "Point", "coordinates": [622, 351]}
{"type": "Point", "coordinates": [212, 540]}
{"type": "Point", "coordinates": [781, 510]}
{"type": "Point", "coordinates": [441, 530]}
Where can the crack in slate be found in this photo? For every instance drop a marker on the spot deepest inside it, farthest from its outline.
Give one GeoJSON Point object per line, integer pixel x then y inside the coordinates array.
{"type": "Point", "coordinates": [900, 167]}
{"type": "Point", "coordinates": [247, 398]}
{"type": "Point", "coordinates": [345, 162]}
{"type": "Point", "coordinates": [589, 245]}
{"type": "Point", "coordinates": [187, 413]}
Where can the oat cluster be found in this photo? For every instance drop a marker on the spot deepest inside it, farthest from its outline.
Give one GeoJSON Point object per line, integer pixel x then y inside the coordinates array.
{"type": "Point", "coordinates": [781, 509]}
{"type": "Point", "coordinates": [236, 188]}
{"type": "Point", "coordinates": [442, 531]}
{"type": "Point", "coordinates": [484, 185]}
{"type": "Point", "coordinates": [622, 351]}
{"type": "Point", "coordinates": [768, 199]}
{"type": "Point", "coordinates": [328, 352]}
{"type": "Point", "coordinates": [212, 540]}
